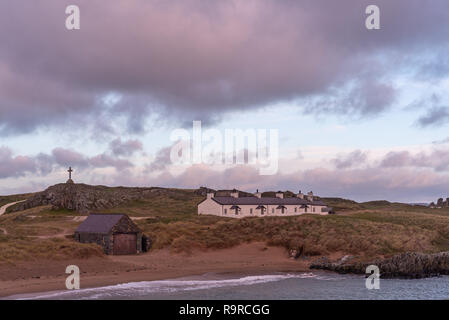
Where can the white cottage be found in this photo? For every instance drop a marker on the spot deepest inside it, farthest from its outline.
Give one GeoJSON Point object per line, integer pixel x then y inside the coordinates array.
{"type": "Point", "coordinates": [234, 206]}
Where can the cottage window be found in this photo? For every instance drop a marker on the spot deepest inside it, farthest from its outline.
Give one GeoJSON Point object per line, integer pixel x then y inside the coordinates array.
{"type": "Point", "coordinates": [251, 211]}
{"type": "Point", "coordinates": [225, 211]}
{"type": "Point", "coordinates": [296, 209]}
{"type": "Point", "coordinates": [272, 210]}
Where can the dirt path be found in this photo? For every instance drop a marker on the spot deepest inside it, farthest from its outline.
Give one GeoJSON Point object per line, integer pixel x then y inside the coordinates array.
{"type": "Point", "coordinates": [6, 206]}
{"type": "Point", "coordinates": [62, 234]}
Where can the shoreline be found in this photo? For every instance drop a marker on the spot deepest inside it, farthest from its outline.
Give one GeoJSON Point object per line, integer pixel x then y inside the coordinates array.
{"type": "Point", "coordinates": [203, 277]}
{"type": "Point", "coordinates": [47, 276]}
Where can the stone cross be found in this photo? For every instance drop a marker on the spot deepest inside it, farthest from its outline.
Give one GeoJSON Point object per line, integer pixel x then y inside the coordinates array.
{"type": "Point", "coordinates": [70, 172]}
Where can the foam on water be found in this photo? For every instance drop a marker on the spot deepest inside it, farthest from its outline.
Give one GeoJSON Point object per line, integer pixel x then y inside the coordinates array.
{"type": "Point", "coordinates": [136, 289]}
{"type": "Point", "coordinates": [310, 286]}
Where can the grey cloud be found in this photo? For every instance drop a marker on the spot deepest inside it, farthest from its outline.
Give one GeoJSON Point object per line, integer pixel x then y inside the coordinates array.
{"type": "Point", "coordinates": [367, 97]}
{"type": "Point", "coordinates": [104, 160]}
{"type": "Point", "coordinates": [442, 141]}
{"type": "Point", "coordinates": [201, 59]}
{"type": "Point", "coordinates": [435, 116]}
{"type": "Point", "coordinates": [125, 148]}
{"type": "Point", "coordinates": [66, 157]}
{"type": "Point", "coordinates": [438, 160]}
{"type": "Point", "coordinates": [44, 164]}
{"type": "Point", "coordinates": [396, 159]}
{"type": "Point", "coordinates": [17, 166]}
{"type": "Point", "coordinates": [161, 160]}
{"type": "Point", "coordinates": [365, 184]}
{"type": "Point", "coordinates": [353, 159]}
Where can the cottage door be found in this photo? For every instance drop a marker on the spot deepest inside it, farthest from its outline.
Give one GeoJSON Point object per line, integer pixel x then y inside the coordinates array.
{"type": "Point", "coordinates": [125, 243]}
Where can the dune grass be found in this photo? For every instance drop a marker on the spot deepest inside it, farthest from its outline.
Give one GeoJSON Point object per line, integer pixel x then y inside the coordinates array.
{"type": "Point", "coordinates": [369, 230]}
{"type": "Point", "coordinates": [13, 198]}
{"type": "Point", "coordinates": [14, 249]}
{"type": "Point", "coordinates": [313, 235]}
{"type": "Point", "coordinates": [39, 234]}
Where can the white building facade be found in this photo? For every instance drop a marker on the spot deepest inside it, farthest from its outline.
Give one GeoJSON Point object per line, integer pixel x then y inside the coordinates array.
{"type": "Point", "coordinates": [234, 206]}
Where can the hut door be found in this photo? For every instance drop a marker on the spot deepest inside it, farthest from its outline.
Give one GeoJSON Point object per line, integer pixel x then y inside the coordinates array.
{"type": "Point", "coordinates": [125, 243]}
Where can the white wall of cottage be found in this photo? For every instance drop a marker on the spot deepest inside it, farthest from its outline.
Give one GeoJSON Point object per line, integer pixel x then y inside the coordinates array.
{"type": "Point", "coordinates": [210, 207]}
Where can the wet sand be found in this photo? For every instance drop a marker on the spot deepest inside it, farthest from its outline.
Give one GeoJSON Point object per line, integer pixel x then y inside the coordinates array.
{"type": "Point", "coordinates": [43, 276]}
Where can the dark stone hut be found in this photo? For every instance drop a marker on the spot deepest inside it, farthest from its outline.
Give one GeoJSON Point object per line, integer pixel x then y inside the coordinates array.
{"type": "Point", "coordinates": [116, 233]}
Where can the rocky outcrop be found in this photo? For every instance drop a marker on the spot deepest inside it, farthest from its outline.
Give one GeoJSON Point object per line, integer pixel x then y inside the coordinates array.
{"type": "Point", "coordinates": [440, 203]}
{"type": "Point", "coordinates": [85, 198]}
{"type": "Point", "coordinates": [409, 265]}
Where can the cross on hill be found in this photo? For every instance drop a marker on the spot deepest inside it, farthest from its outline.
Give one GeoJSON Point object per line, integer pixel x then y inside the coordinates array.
{"type": "Point", "coordinates": [70, 175]}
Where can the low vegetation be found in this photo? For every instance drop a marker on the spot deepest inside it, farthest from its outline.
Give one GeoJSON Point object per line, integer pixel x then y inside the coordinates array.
{"type": "Point", "coordinates": [13, 198]}
{"type": "Point", "coordinates": [370, 229]}
{"type": "Point", "coordinates": [41, 234]}
{"type": "Point", "coordinates": [313, 235]}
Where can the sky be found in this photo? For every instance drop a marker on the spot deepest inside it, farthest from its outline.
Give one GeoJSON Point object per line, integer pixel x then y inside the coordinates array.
{"type": "Point", "coordinates": [360, 114]}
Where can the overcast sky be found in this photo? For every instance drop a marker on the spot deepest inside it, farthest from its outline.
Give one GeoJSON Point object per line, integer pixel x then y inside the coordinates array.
{"type": "Point", "coordinates": [361, 114]}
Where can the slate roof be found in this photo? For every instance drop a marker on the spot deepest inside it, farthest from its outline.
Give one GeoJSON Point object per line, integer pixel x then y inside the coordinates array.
{"type": "Point", "coordinates": [99, 223]}
{"type": "Point", "coordinates": [265, 201]}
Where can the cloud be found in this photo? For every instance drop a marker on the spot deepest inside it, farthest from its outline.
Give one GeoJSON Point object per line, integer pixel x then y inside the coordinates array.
{"type": "Point", "coordinates": [104, 160]}
{"type": "Point", "coordinates": [366, 97]}
{"type": "Point", "coordinates": [435, 116]}
{"type": "Point", "coordinates": [352, 159]}
{"type": "Point", "coordinates": [125, 148]}
{"type": "Point", "coordinates": [11, 166]}
{"type": "Point", "coordinates": [399, 184]}
{"type": "Point", "coordinates": [399, 176]}
{"type": "Point", "coordinates": [442, 141]}
{"type": "Point", "coordinates": [197, 59]}
{"type": "Point", "coordinates": [44, 164]}
{"type": "Point", "coordinates": [161, 161]}
{"type": "Point", "coordinates": [66, 157]}
{"type": "Point", "coordinates": [437, 159]}
{"type": "Point", "coordinates": [396, 159]}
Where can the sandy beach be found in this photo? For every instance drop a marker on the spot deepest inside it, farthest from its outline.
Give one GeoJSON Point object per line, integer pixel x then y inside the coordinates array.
{"type": "Point", "coordinates": [43, 276]}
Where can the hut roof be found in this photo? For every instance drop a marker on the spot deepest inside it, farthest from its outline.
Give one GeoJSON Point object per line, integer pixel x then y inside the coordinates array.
{"type": "Point", "coordinates": [100, 223]}
{"type": "Point", "coordinates": [265, 201]}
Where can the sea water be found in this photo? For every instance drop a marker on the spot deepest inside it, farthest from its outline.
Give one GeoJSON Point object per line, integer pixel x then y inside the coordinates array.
{"type": "Point", "coordinates": [316, 285]}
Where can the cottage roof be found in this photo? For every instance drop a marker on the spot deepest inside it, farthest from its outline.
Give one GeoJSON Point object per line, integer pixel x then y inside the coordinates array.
{"type": "Point", "coordinates": [100, 223]}
{"type": "Point", "coordinates": [266, 201]}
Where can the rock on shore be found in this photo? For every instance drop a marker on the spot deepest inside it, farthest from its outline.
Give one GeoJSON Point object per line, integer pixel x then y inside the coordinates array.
{"type": "Point", "coordinates": [85, 198]}
{"type": "Point", "coordinates": [409, 265]}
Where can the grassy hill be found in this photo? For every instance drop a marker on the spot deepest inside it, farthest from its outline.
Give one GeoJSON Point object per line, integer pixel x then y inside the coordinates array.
{"type": "Point", "coordinates": [169, 217]}
{"type": "Point", "coordinates": [13, 198]}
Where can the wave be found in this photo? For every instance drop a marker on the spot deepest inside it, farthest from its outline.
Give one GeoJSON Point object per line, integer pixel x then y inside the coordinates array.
{"type": "Point", "coordinates": [143, 288]}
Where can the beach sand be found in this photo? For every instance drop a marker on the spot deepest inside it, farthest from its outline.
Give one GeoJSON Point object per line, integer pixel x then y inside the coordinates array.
{"type": "Point", "coordinates": [42, 276]}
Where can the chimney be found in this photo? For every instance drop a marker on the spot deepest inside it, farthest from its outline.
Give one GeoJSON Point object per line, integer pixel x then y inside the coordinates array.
{"type": "Point", "coordinates": [310, 196]}
{"type": "Point", "coordinates": [234, 194]}
{"type": "Point", "coordinates": [210, 195]}
{"type": "Point", "coordinates": [280, 195]}
{"type": "Point", "coordinates": [300, 195]}
{"type": "Point", "coordinates": [258, 194]}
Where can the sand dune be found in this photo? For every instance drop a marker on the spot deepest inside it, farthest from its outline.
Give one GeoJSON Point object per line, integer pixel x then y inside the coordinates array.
{"type": "Point", "coordinates": [252, 258]}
